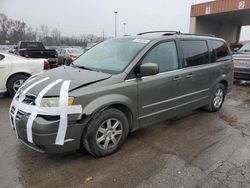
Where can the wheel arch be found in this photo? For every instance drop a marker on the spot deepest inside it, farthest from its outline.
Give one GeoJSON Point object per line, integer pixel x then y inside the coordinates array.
{"type": "Point", "coordinates": [120, 102]}
{"type": "Point", "coordinates": [15, 74]}
{"type": "Point", "coordinates": [225, 83]}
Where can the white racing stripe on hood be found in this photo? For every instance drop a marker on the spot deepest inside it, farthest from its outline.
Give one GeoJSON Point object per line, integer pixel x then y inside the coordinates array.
{"type": "Point", "coordinates": [22, 95]}
{"type": "Point", "coordinates": [27, 81]}
{"type": "Point", "coordinates": [63, 110]}
{"type": "Point", "coordinates": [37, 102]}
{"type": "Point", "coordinates": [21, 98]}
{"type": "Point", "coordinates": [63, 102]}
{"type": "Point", "coordinates": [45, 90]}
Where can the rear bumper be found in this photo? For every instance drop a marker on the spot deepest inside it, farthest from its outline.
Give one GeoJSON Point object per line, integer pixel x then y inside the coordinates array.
{"type": "Point", "coordinates": [241, 73]}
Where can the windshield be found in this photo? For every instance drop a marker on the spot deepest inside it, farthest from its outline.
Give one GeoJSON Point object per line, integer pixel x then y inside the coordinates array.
{"type": "Point", "coordinates": [245, 48]}
{"type": "Point", "coordinates": [111, 56]}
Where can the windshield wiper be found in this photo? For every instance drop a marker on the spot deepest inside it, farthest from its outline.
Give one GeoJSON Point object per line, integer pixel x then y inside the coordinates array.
{"type": "Point", "coordinates": [82, 67]}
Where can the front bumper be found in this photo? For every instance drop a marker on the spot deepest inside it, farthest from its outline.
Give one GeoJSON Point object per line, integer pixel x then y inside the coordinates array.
{"type": "Point", "coordinates": [44, 132]}
{"type": "Point", "coordinates": [242, 73]}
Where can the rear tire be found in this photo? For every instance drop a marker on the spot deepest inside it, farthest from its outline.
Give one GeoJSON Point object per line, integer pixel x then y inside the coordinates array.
{"type": "Point", "coordinates": [106, 133]}
{"type": "Point", "coordinates": [217, 98]}
{"type": "Point", "coordinates": [15, 83]}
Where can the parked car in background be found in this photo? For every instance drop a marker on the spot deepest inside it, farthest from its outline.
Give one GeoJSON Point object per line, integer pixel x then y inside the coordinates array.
{"type": "Point", "coordinates": [242, 63]}
{"type": "Point", "coordinates": [11, 50]}
{"type": "Point", "coordinates": [67, 55]}
{"type": "Point", "coordinates": [15, 70]}
{"type": "Point", "coordinates": [235, 47]}
{"type": "Point", "coordinates": [119, 86]}
{"type": "Point", "coordinates": [37, 50]}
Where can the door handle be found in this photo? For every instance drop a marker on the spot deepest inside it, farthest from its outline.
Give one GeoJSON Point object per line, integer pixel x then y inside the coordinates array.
{"type": "Point", "coordinates": [177, 78]}
{"type": "Point", "coordinates": [189, 75]}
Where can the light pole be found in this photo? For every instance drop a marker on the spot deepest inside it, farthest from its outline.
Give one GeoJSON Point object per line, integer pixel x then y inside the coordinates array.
{"type": "Point", "coordinates": [124, 29]}
{"type": "Point", "coordinates": [116, 23]}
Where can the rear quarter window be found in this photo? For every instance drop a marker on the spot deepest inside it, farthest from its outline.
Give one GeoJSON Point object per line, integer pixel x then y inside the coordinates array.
{"type": "Point", "coordinates": [195, 52]}
{"type": "Point", "coordinates": [219, 51]}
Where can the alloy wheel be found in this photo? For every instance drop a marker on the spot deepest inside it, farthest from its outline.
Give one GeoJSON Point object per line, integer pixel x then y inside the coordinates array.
{"type": "Point", "coordinates": [17, 84]}
{"type": "Point", "coordinates": [109, 134]}
{"type": "Point", "coordinates": [218, 98]}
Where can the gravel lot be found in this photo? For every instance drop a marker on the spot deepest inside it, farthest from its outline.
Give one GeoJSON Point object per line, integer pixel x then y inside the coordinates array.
{"type": "Point", "coordinates": [200, 149]}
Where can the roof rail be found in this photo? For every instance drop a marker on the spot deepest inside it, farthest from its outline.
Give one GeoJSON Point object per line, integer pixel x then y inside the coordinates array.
{"type": "Point", "coordinates": [164, 32]}
{"type": "Point", "coordinates": [199, 34]}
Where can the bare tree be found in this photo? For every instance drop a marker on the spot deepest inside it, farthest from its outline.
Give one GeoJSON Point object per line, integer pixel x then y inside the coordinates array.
{"type": "Point", "coordinates": [30, 34]}
{"type": "Point", "coordinates": [56, 36]}
{"type": "Point", "coordinates": [5, 26]}
{"type": "Point", "coordinates": [17, 32]}
{"type": "Point", "coordinates": [43, 32]}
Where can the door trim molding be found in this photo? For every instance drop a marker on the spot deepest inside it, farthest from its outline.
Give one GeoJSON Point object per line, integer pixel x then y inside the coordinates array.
{"type": "Point", "coordinates": [177, 106]}
{"type": "Point", "coordinates": [175, 98]}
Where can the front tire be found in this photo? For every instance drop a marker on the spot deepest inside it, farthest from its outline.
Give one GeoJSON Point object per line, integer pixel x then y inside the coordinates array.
{"type": "Point", "coordinates": [106, 133]}
{"type": "Point", "coordinates": [217, 98]}
{"type": "Point", "coordinates": [15, 83]}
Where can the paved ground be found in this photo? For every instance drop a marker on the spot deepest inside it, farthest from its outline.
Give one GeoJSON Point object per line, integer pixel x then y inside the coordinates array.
{"type": "Point", "coordinates": [199, 150]}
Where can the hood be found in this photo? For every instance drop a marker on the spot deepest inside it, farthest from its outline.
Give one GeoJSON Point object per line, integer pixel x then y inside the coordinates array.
{"type": "Point", "coordinates": [78, 77]}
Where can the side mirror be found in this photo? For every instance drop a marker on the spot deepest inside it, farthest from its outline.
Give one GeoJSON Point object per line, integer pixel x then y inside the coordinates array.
{"type": "Point", "coordinates": [148, 69]}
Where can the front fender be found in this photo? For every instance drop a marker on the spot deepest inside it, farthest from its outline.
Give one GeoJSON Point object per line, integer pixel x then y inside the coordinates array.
{"type": "Point", "coordinates": [107, 100]}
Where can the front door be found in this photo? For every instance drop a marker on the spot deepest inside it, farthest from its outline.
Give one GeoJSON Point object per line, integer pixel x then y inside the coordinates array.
{"type": "Point", "coordinates": [158, 94]}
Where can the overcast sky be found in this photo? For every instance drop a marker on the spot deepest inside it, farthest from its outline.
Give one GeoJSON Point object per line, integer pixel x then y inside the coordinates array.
{"type": "Point", "coordinates": [75, 17]}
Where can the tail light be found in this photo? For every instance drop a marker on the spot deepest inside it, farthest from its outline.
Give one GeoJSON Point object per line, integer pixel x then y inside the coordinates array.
{"type": "Point", "coordinates": [46, 65]}
{"type": "Point", "coordinates": [56, 54]}
{"type": "Point", "coordinates": [26, 53]}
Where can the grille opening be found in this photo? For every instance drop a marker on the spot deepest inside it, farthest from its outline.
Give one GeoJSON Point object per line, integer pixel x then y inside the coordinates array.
{"type": "Point", "coordinates": [29, 99]}
{"type": "Point", "coordinates": [19, 115]}
{"type": "Point", "coordinates": [12, 110]}
{"type": "Point", "coordinates": [49, 117]}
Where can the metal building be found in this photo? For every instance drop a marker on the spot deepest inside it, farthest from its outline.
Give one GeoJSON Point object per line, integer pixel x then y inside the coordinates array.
{"type": "Point", "coordinates": [222, 18]}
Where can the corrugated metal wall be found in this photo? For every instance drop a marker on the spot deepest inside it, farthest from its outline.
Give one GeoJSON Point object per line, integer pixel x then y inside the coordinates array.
{"type": "Point", "coordinates": [219, 6]}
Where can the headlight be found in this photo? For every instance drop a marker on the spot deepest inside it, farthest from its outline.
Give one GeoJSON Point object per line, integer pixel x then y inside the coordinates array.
{"type": "Point", "coordinates": [54, 102]}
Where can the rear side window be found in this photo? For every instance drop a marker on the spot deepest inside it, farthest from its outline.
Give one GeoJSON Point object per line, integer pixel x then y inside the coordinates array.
{"type": "Point", "coordinates": [195, 52]}
{"type": "Point", "coordinates": [220, 51]}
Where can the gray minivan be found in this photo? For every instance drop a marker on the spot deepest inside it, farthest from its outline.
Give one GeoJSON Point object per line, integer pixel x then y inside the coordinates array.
{"type": "Point", "coordinates": [119, 86]}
